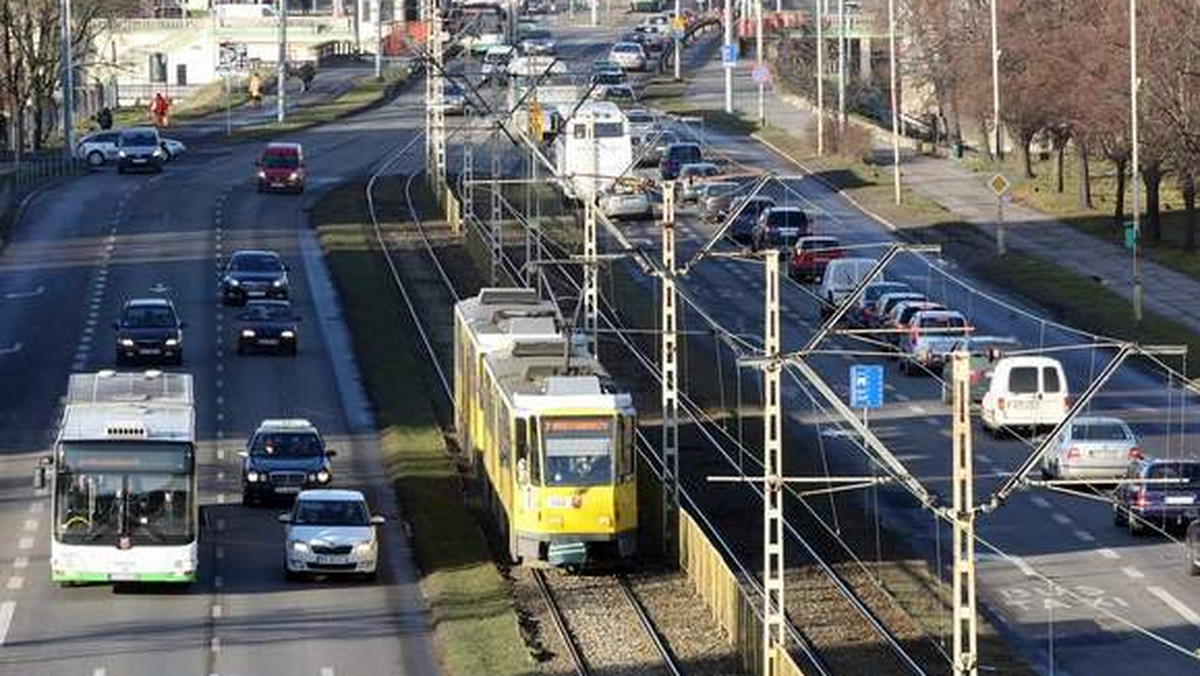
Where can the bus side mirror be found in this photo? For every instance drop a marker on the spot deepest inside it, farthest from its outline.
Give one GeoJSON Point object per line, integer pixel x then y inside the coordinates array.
{"type": "Point", "coordinates": [330, 453]}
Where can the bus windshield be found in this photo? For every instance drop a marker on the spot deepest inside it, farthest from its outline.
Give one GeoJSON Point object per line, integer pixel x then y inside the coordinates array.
{"type": "Point", "coordinates": [578, 451]}
{"type": "Point", "coordinates": [124, 494]}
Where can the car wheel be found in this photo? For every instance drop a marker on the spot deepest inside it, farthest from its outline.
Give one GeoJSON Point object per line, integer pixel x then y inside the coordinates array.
{"type": "Point", "coordinates": [120, 170]}
{"type": "Point", "coordinates": [248, 501]}
{"type": "Point", "coordinates": [1193, 569]}
{"type": "Point", "coordinates": [95, 158]}
{"type": "Point", "coordinates": [290, 575]}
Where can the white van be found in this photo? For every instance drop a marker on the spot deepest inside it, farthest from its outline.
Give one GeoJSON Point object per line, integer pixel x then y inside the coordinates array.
{"type": "Point", "coordinates": [1026, 392]}
{"type": "Point", "coordinates": [841, 276]}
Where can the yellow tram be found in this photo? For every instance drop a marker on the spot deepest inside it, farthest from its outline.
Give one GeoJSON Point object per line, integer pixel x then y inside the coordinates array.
{"type": "Point", "coordinates": [543, 422]}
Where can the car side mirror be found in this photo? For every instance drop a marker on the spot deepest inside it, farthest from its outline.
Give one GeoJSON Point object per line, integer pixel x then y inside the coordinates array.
{"type": "Point", "coordinates": [39, 478]}
{"type": "Point", "coordinates": [183, 325]}
{"type": "Point", "coordinates": [286, 517]}
{"type": "Point", "coordinates": [330, 453]}
{"type": "Point", "coordinates": [378, 520]}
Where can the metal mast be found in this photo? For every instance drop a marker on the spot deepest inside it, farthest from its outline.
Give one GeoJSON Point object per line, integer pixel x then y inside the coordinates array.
{"type": "Point", "coordinates": [966, 655]}
{"type": "Point", "coordinates": [773, 592]}
{"type": "Point", "coordinates": [670, 375]}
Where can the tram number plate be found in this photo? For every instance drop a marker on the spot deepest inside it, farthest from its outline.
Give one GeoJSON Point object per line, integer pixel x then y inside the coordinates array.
{"type": "Point", "coordinates": [558, 502]}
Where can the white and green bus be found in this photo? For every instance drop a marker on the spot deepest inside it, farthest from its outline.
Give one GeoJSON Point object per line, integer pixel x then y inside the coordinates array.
{"type": "Point", "coordinates": [125, 501]}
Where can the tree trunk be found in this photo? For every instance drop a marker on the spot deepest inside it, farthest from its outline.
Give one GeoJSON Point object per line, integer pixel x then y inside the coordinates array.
{"type": "Point", "coordinates": [1189, 210]}
{"type": "Point", "coordinates": [38, 128]}
{"type": "Point", "coordinates": [1085, 176]}
{"type": "Point", "coordinates": [1152, 178]}
{"type": "Point", "coordinates": [1060, 153]}
{"type": "Point", "coordinates": [1119, 209]}
{"type": "Point", "coordinates": [1026, 154]}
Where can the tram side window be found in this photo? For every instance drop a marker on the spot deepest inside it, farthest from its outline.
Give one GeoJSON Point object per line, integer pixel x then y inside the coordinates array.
{"type": "Point", "coordinates": [521, 442]}
{"type": "Point", "coordinates": [625, 456]}
{"type": "Point", "coordinates": [505, 439]}
{"type": "Point", "coordinates": [535, 458]}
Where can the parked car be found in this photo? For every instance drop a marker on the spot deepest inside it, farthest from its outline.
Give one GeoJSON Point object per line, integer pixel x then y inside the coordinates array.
{"type": "Point", "coordinates": [268, 326]}
{"type": "Point", "coordinates": [283, 457]}
{"type": "Point", "coordinates": [842, 276]}
{"type": "Point", "coordinates": [627, 202]}
{"type": "Point", "coordinates": [931, 335]}
{"type": "Point", "coordinates": [628, 55]}
{"type": "Point", "coordinates": [496, 60]}
{"type": "Point", "coordinates": [780, 227]}
{"type": "Point", "coordinates": [886, 303]}
{"type": "Point", "coordinates": [537, 41]}
{"type": "Point", "coordinates": [746, 210]}
{"type": "Point", "coordinates": [140, 149]}
{"type": "Point", "coordinates": [149, 330]}
{"type": "Point", "coordinates": [281, 168]}
{"type": "Point", "coordinates": [692, 176]}
{"type": "Point", "coordinates": [676, 155]}
{"type": "Point", "coordinates": [173, 148]}
{"type": "Point", "coordinates": [1137, 505]}
{"type": "Point", "coordinates": [865, 312]}
{"type": "Point", "coordinates": [254, 274]}
{"type": "Point", "coordinates": [1025, 391]}
{"type": "Point", "coordinates": [99, 148]}
{"type": "Point", "coordinates": [714, 198]}
{"type": "Point", "coordinates": [1092, 447]}
{"type": "Point", "coordinates": [810, 255]}
{"type": "Point", "coordinates": [984, 352]}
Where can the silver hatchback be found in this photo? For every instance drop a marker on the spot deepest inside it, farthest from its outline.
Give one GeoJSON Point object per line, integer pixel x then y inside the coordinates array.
{"type": "Point", "coordinates": [1092, 447]}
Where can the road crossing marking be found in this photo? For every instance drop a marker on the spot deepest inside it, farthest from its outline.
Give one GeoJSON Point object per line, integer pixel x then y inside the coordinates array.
{"type": "Point", "coordinates": [25, 543]}
{"type": "Point", "coordinates": [1039, 501]}
{"type": "Point", "coordinates": [1175, 604]}
{"type": "Point", "coordinates": [220, 553]}
{"type": "Point", "coordinates": [21, 562]}
{"type": "Point", "coordinates": [31, 524]}
{"type": "Point", "coordinates": [920, 410]}
{"type": "Point", "coordinates": [1061, 519]}
{"type": "Point", "coordinates": [326, 671]}
{"type": "Point", "coordinates": [1085, 536]}
{"type": "Point", "coordinates": [37, 507]}
{"type": "Point", "coordinates": [14, 583]}
{"type": "Point", "coordinates": [99, 671]}
{"type": "Point", "coordinates": [1133, 573]}
{"type": "Point", "coordinates": [7, 609]}
{"type": "Point", "coordinates": [215, 646]}
{"type": "Point", "coordinates": [216, 611]}
{"type": "Point", "coordinates": [1108, 553]}
{"type": "Point", "coordinates": [218, 581]}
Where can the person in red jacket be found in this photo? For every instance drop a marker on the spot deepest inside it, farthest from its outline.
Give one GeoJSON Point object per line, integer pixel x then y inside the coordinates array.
{"type": "Point", "coordinates": [158, 109]}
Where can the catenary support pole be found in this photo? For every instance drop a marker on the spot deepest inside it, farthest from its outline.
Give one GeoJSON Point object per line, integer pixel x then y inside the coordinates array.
{"type": "Point", "coordinates": [773, 590]}
{"type": "Point", "coordinates": [727, 20]}
{"type": "Point", "coordinates": [281, 70]}
{"type": "Point", "coordinates": [670, 378]}
{"type": "Point", "coordinates": [998, 143]}
{"type": "Point", "coordinates": [895, 99]}
{"type": "Point", "coordinates": [759, 61]}
{"type": "Point", "coordinates": [1135, 84]}
{"type": "Point", "coordinates": [820, 78]}
{"type": "Point", "coordinates": [68, 80]}
{"type": "Point", "coordinates": [966, 655]}
{"type": "Point", "coordinates": [841, 64]}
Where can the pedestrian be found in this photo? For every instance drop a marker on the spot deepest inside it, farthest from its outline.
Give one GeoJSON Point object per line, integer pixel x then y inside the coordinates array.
{"type": "Point", "coordinates": [104, 118]}
{"type": "Point", "coordinates": [158, 109]}
{"type": "Point", "coordinates": [255, 89]}
{"type": "Point", "coordinates": [307, 73]}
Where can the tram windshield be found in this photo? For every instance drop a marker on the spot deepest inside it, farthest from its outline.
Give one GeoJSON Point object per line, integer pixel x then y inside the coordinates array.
{"type": "Point", "coordinates": [579, 451]}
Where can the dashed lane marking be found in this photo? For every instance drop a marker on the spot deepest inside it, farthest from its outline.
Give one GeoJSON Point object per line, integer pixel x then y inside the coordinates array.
{"type": "Point", "coordinates": [218, 581]}
{"type": "Point", "coordinates": [946, 433]}
{"type": "Point", "coordinates": [1084, 536]}
{"type": "Point", "coordinates": [21, 563]}
{"type": "Point", "coordinates": [985, 459]}
{"type": "Point", "coordinates": [25, 543]}
{"type": "Point", "coordinates": [326, 671]}
{"type": "Point", "coordinates": [220, 552]}
{"type": "Point", "coordinates": [1175, 604]}
{"type": "Point", "coordinates": [31, 524]}
{"type": "Point", "coordinates": [7, 609]}
{"type": "Point", "coordinates": [215, 646]}
{"type": "Point", "coordinates": [14, 583]}
{"type": "Point", "coordinates": [37, 507]}
{"type": "Point", "coordinates": [900, 396]}
{"type": "Point", "coordinates": [99, 671]}
{"type": "Point", "coordinates": [220, 453]}
{"type": "Point", "coordinates": [1039, 501]}
{"type": "Point", "coordinates": [1061, 519]}
{"type": "Point", "coordinates": [1108, 553]}
{"type": "Point", "coordinates": [919, 410]}
{"type": "Point", "coordinates": [1133, 573]}
{"type": "Point", "coordinates": [217, 611]}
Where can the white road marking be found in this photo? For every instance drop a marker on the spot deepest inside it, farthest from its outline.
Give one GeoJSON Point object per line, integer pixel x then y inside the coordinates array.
{"type": "Point", "coordinates": [220, 552]}
{"type": "Point", "coordinates": [1026, 569]}
{"type": "Point", "coordinates": [218, 581]}
{"type": "Point", "coordinates": [900, 396]}
{"type": "Point", "coordinates": [1133, 573]}
{"type": "Point", "coordinates": [220, 476]}
{"type": "Point", "coordinates": [1061, 519]}
{"type": "Point", "coordinates": [220, 524]}
{"type": "Point", "coordinates": [1108, 553]}
{"type": "Point", "coordinates": [15, 295]}
{"type": "Point", "coordinates": [21, 562]}
{"type": "Point", "coordinates": [215, 646]}
{"type": "Point", "coordinates": [1085, 536]}
{"type": "Point", "coordinates": [220, 498]}
{"type": "Point", "coordinates": [7, 609]}
{"type": "Point", "coordinates": [919, 410]}
{"type": "Point", "coordinates": [25, 543]}
{"type": "Point", "coordinates": [985, 459]}
{"type": "Point", "coordinates": [99, 671]}
{"type": "Point", "coordinates": [37, 507]}
{"type": "Point", "coordinates": [11, 349]}
{"type": "Point", "coordinates": [1039, 501]}
{"type": "Point", "coordinates": [946, 433]}
{"type": "Point", "coordinates": [31, 524]}
{"type": "Point", "coordinates": [326, 671]}
{"type": "Point", "coordinates": [933, 422]}
{"type": "Point", "coordinates": [220, 454]}
{"type": "Point", "coordinates": [14, 583]}
{"type": "Point", "coordinates": [1175, 604]}
{"type": "Point", "coordinates": [216, 611]}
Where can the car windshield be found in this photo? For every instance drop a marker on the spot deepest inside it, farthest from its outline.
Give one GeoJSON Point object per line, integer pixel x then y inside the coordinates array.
{"type": "Point", "coordinates": [273, 312]}
{"type": "Point", "coordinates": [330, 513]}
{"type": "Point", "coordinates": [787, 219]}
{"type": "Point", "coordinates": [139, 139]}
{"type": "Point", "coordinates": [536, 35]}
{"type": "Point", "coordinates": [286, 445]}
{"type": "Point", "coordinates": [875, 291]}
{"type": "Point", "coordinates": [1097, 431]}
{"type": "Point", "coordinates": [943, 322]}
{"type": "Point", "coordinates": [255, 263]}
{"type": "Point", "coordinates": [609, 78]}
{"type": "Point", "coordinates": [627, 49]}
{"type": "Point", "coordinates": [280, 161]}
{"type": "Point", "coordinates": [1175, 470]}
{"type": "Point", "coordinates": [148, 317]}
{"type": "Point", "coordinates": [578, 451]}
{"type": "Point", "coordinates": [890, 302]}
{"type": "Point", "coordinates": [685, 154]}
{"type": "Point", "coordinates": [639, 117]}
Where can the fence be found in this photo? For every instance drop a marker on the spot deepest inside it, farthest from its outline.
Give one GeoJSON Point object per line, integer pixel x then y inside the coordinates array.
{"type": "Point", "coordinates": [18, 179]}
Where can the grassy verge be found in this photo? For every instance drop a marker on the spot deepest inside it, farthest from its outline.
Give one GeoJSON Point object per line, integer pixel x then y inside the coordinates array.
{"type": "Point", "coordinates": [365, 93]}
{"type": "Point", "coordinates": [205, 100]}
{"type": "Point", "coordinates": [475, 626]}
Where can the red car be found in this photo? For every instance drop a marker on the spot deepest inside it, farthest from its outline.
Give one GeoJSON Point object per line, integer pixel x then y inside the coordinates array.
{"type": "Point", "coordinates": [281, 168]}
{"type": "Point", "coordinates": [811, 255]}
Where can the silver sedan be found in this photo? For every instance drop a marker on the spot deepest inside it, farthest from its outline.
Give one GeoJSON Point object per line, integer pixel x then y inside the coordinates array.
{"type": "Point", "coordinates": [1092, 447]}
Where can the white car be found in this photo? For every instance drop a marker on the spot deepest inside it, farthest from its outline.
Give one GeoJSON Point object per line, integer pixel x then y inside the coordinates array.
{"type": "Point", "coordinates": [1025, 391]}
{"type": "Point", "coordinates": [98, 148]}
{"type": "Point", "coordinates": [628, 55]}
{"type": "Point", "coordinates": [626, 202]}
{"type": "Point", "coordinates": [1092, 447]}
{"type": "Point", "coordinates": [174, 149]}
{"type": "Point", "coordinates": [496, 60]}
{"type": "Point", "coordinates": [330, 531]}
{"type": "Point", "coordinates": [692, 176]}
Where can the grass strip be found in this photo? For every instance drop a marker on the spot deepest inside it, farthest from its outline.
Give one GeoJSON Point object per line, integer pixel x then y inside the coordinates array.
{"type": "Point", "coordinates": [475, 625]}
{"type": "Point", "coordinates": [366, 93]}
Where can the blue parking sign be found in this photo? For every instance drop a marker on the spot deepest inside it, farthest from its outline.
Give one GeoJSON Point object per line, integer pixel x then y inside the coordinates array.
{"type": "Point", "coordinates": [729, 54]}
{"type": "Point", "coordinates": [866, 386]}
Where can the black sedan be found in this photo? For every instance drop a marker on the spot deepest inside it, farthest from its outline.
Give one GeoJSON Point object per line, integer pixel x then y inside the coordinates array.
{"type": "Point", "coordinates": [268, 326]}
{"type": "Point", "coordinates": [149, 330]}
{"type": "Point", "coordinates": [254, 274]}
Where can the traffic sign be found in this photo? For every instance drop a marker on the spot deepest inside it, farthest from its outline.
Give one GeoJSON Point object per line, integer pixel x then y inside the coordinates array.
{"type": "Point", "coordinates": [679, 23]}
{"type": "Point", "coordinates": [866, 386]}
{"type": "Point", "coordinates": [1131, 235]}
{"type": "Point", "coordinates": [999, 184]}
{"type": "Point", "coordinates": [761, 75]}
{"type": "Point", "coordinates": [729, 55]}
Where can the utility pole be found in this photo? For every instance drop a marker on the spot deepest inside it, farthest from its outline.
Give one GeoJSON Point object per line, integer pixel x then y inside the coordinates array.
{"type": "Point", "coordinates": [966, 655]}
{"type": "Point", "coordinates": [591, 309]}
{"type": "Point", "coordinates": [281, 71]}
{"type": "Point", "coordinates": [758, 58]}
{"type": "Point", "coordinates": [595, 12]}
{"type": "Point", "coordinates": [468, 172]}
{"type": "Point", "coordinates": [773, 590]}
{"type": "Point", "coordinates": [68, 80]}
{"type": "Point", "coordinates": [676, 31]}
{"type": "Point", "coordinates": [377, 15]}
{"type": "Point", "coordinates": [841, 64]}
{"type": "Point", "coordinates": [820, 78]}
{"type": "Point", "coordinates": [1135, 84]}
{"type": "Point", "coordinates": [497, 228]}
{"type": "Point", "coordinates": [728, 25]}
{"type": "Point", "coordinates": [670, 377]}
{"type": "Point", "coordinates": [1001, 248]}
{"type": "Point", "coordinates": [435, 112]}
{"type": "Point", "coordinates": [895, 99]}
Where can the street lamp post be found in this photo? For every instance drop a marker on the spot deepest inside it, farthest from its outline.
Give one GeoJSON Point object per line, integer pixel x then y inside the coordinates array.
{"type": "Point", "coordinates": [281, 71]}
{"type": "Point", "coordinates": [377, 14]}
{"type": "Point", "coordinates": [758, 57]}
{"type": "Point", "coordinates": [820, 78]}
{"type": "Point", "coordinates": [68, 80]}
{"type": "Point", "coordinates": [895, 99]}
{"type": "Point", "coordinates": [841, 64]}
{"type": "Point", "coordinates": [1001, 249]}
{"type": "Point", "coordinates": [1134, 85]}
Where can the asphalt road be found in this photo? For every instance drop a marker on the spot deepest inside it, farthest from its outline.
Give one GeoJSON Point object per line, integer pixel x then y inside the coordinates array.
{"type": "Point", "coordinates": [1119, 604]}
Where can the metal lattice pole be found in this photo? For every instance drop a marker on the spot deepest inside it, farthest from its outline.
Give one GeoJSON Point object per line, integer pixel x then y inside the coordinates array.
{"type": "Point", "coordinates": [670, 376]}
{"type": "Point", "coordinates": [591, 272]}
{"type": "Point", "coordinates": [435, 82]}
{"type": "Point", "coordinates": [468, 173]}
{"type": "Point", "coordinates": [966, 656]}
{"type": "Point", "coordinates": [497, 230]}
{"type": "Point", "coordinates": [426, 20]}
{"type": "Point", "coordinates": [773, 592]}
{"type": "Point", "coordinates": [281, 70]}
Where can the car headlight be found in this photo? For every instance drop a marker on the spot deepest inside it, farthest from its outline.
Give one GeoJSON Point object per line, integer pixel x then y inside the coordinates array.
{"type": "Point", "coordinates": [248, 333]}
{"type": "Point", "coordinates": [299, 546]}
{"type": "Point", "coordinates": [287, 334]}
{"type": "Point", "coordinates": [279, 283]}
{"type": "Point", "coordinates": [157, 153]}
{"type": "Point", "coordinates": [121, 154]}
{"type": "Point", "coordinates": [231, 281]}
{"type": "Point", "coordinates": [172, 342]}
{"type": "Point", "coordinates": [262, 175]}
{"type": "Point", "coordinates": [323, 476]}
{"type": "Point", "coordinates": [127, 342]}
{"type": "Point", "coordinates": [294, 176]}
{"type": "Point", "coordinates": [253, 476]}
{"type": "Point", "coordinates": [364, 548]}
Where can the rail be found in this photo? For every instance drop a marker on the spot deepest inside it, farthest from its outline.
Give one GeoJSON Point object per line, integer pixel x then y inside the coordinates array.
{"type": "Point", "coordinates": [560, 624]}
{"type": "Point", "coordinates": [668, 657]}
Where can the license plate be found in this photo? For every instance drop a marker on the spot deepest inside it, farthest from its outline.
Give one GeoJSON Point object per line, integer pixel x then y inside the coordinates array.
{"type": "Point", "coordinates": [1023, 405]}
{"type": "Point", "coordinates": [277, 184]}
{"type": "Point", "coordinates": [268, 341]}
{"type": "Point", "coordinates": [148, 351]}
{"type": "Point", "coordinates": [287, 489]}
{"type": "Point", "coordinates": [1180, 500]}
{"type": "Point", "coordinates": [256, 294]}
{"type": "Point", "coordinates": [123, 577]}
{"type": "Point", "coordinates": [331, 559]}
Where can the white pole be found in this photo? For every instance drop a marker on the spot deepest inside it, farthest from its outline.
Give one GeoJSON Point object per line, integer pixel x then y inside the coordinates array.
{"type": "Point", "coordinates": [728, 21]}
{"type": "Point", "coordinates": [377, 14]}
{"type": "Point", "coordinates": [820, 78]}
{"type": "Point", "coordinates": [1135, 84]}
{"type": "Point", "coordinates": [758, 55]}
{"type": "Point", "coordinates": [999, 140]}
{"type": "Point", "coordinates": [841, 63]}
{"type": "Point", "coordinates": [670, 379]}
{"type": "Point", "coordinates": [895, 100]}
{"type": "Point", "coordinates": [966, 636]}
{"type": "Point", "coordinates": [595, 12]}
{"type": "Point", "coordinates": [773, 559]}
{"type": "Point", "coordinates": [281, 71]}
{"type": "Point", "coordinates": [678, 43]}
{"type": "Point", "coordinates": [68, 80]}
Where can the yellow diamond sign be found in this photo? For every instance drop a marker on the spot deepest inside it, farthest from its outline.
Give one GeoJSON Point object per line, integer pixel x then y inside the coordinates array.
{"type": "Point", "coordinates": [999, 184]}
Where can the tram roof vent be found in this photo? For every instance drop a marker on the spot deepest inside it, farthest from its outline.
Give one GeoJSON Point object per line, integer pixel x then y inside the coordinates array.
{"type": "Point", "coordinates": [525, 326]}
{"type": "Point", "coordinates": [539, 348]}
{"type": "Point", "coordinates": [567, 385]}
{"type": "Point", "coordinates": [508, 296]}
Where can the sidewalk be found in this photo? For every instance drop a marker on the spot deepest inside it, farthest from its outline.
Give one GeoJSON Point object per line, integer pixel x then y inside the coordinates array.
{"type": "Point", "coordinates": [966, 195]}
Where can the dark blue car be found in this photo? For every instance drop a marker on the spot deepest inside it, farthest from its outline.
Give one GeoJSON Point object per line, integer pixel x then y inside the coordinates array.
{"type": "Point", "coordinates": [283, 458]}
{"type": "Point", "coordinates": [1171, 497]}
